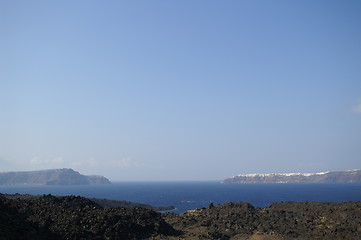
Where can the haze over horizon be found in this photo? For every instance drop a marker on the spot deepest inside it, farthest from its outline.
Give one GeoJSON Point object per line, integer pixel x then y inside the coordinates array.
{"type": "Point", "coordinates": [180, 90]}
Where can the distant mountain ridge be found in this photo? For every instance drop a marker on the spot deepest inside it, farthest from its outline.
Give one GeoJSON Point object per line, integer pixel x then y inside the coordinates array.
{"type": "Point", "coordinates": [65, 176]}
{"type": "Point", "coordinates": [322, 177]}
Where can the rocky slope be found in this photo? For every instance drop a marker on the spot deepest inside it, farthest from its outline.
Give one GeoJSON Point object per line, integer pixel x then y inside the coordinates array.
{"type": "Point", "coordinates": [106, 203]}
{"type": "Point", "coordinates": [71, 217]}
{"type": "Point", "coordinates": [286, 220]}
{"type": "Point", "coordinates": [323, 177]}
{"type": "Point", "coordinates": [50, 177]}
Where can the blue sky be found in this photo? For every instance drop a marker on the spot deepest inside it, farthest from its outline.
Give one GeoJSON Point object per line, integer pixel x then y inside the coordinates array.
{"type": "Point", "coordinates": [180, 90]}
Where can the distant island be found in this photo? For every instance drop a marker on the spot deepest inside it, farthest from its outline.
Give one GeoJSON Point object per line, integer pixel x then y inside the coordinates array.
{"type": "Point", "coordinates": [322, 177]}
{"type": "Point", "coordinates": [65, 176]}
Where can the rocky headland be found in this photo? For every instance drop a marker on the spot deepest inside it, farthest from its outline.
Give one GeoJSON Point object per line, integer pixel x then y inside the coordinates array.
{"type": "Point", "coordinates": [322, 177]}
{"type": "Point", "coordinates": [72, 217]}
{"type": "Point", "coordinates": [65, 176]}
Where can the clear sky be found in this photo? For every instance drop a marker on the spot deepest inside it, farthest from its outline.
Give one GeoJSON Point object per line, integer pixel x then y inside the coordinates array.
{"type": "Point", "coordinates": [180, 90]}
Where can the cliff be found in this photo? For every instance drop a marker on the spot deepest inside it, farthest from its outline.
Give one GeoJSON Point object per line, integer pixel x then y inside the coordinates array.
{"type": "Point", "coordinates": [323, 177]}
{"type": "Point", "coordinates": [63, 176]}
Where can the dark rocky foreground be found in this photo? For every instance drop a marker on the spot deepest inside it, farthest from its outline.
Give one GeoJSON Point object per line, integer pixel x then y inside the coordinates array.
{"type": "Point", "coordinates": [71, 217]}
{"type": "Point", "coordinates": [106, 203]}
{"type": "Point", "coordinates": [285, 220]}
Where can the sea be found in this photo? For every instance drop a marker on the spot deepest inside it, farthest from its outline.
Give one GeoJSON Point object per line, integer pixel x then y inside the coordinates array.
{"type": "Point", "coordinates": [191, 195]}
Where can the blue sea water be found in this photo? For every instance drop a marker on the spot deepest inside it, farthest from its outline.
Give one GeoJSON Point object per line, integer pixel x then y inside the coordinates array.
{"type": "Point", "coordinates": [190, 195]}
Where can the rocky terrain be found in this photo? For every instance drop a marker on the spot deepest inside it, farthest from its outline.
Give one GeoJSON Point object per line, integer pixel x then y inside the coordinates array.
{"type": "Point", "coordinates": [63, 176]}
{"type": "Point", "coordinates": [106, 203]}
{"type": "Point", "coordinates": [323, 177]}
{"type": "Point", "coordinates": [71, 217]}
{"type": "Point", "coordinates": [286, 220]}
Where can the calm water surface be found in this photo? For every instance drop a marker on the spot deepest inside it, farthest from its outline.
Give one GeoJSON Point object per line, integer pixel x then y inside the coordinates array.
{"type": "Point", "coordinates": [190, 195]}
